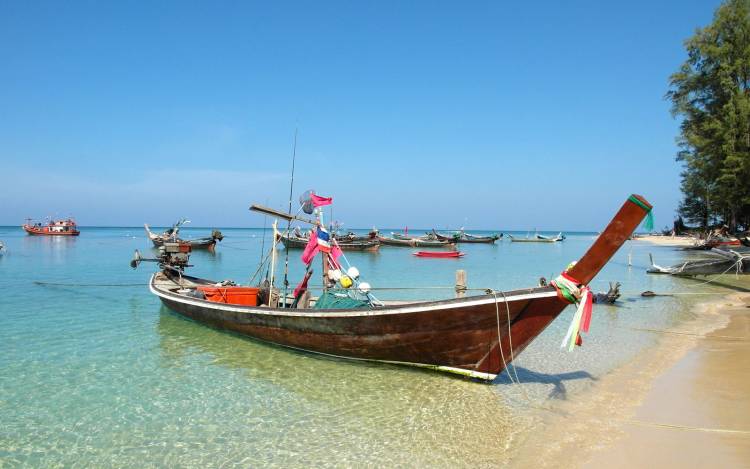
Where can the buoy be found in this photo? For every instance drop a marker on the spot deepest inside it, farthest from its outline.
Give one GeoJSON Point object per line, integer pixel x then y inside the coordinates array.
{"type": "Point", "coordinates": [353, 272]}
{"type": "Point", "coordinates": [346, 282]}
{"type": "Point", "coordinates": [364, 287]}
{"type": "Point", "coordinates": [334, 274]}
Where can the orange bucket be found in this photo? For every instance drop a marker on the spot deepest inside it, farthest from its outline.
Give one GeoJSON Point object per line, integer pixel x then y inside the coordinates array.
{"type": "Point", "coordinates": [246, 296]}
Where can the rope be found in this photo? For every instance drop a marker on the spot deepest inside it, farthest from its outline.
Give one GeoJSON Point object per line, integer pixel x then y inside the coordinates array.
{"type": "Point", "coordinates": [510, 336]}
{"type": "Point", "coordinates": [691, 334]}
{"type": "Point", "coordinates": [510, 344]}
{"type": "Point", "coordinates": [688, 427]}
{"type": "Point", "coordinates": [55, 284]}
{"type": "Point", "coordinates": [499, 340]}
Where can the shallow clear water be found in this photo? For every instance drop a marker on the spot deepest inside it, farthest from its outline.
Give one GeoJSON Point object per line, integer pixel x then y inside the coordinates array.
{"type": "Point", "coordinates": [104, 376]}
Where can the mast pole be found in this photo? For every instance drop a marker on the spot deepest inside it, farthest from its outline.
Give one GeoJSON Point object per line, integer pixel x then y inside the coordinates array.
{"type": "Point", "coordinates": [324, 255]}
{"type": "Point", "coordinates": [289, 222]}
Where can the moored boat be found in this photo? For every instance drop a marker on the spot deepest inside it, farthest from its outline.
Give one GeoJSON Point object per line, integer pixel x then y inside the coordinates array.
{"type": "Point", "coordinates": [463, 237]}
{"type": "Point", "coordinates": [537, 238]}
{"type": "Point", "coordinates": [65, 227]}
{"type": "Point", "coordinates": [296, 242]}
{"type": "Point", "coordinates": [470, 238]}
{"type": "Point", "coordinates": [475, 336]}
{"type": "Point", "coordinates": [171, 235]}
{"type": "Point", "coordinates": [414, 242]}
{"type": "Point", "coordinates": [405, 237]}
{"type": "Point", "coordinates": [715, 261]}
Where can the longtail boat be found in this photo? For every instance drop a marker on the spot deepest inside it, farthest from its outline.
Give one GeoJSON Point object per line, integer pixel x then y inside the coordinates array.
{"type": "Point", "coordinates": [475, 336]}
{"type": "Point", "coordinates": [414, 242]}
{"type": "Point", "coordinates": [470, 238]}
{"type": "Point", "coordinates": [462, 237]}
{"type": "Point", "coordinates": [66, 227]}
{"type": "Point", "coordinates": [537, 239]}
{"type": "Point", "coordinates": [353, 237]}
{"type": "Point", "coordinates": [295, 242]}
{"type": "Point", "coordinates": [171, 235]}
{"type": "Point", "coordinates": [425, 237]}
{"type": "Point", "coordinates": [715, 261]}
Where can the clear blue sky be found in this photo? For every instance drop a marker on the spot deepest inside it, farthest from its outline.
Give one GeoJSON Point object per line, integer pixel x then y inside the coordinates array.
{"type": "Point", "coordinates": [500, 115]}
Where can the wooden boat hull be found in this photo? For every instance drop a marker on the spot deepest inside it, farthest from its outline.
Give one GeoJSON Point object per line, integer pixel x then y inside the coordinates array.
{"type": "Point", "coordinates": [453, 335]}
{"type": "Point", "coordinates": [473, 336]}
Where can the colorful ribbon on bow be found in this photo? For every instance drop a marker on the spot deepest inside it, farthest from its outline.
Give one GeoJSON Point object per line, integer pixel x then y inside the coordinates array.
{"type": "Point", "coordinates": [570, 290]}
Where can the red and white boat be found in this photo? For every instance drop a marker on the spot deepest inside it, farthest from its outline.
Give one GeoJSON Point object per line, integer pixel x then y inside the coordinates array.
{"type": "Point", "coordinates": [66, 227]}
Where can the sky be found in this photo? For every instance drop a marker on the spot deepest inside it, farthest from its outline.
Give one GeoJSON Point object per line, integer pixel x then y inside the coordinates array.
{"type": "Point", "coordinates": [489, 115]}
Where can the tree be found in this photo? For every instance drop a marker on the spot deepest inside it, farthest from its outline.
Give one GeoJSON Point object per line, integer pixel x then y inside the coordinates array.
{"type": "Point", "coordinates": [711, 93]}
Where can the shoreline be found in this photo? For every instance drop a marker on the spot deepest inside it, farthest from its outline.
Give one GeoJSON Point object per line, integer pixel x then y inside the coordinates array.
{"type": "Point", "coordinates": [679, 403]}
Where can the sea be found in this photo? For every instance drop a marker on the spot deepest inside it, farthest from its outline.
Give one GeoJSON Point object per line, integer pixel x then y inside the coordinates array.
{"type": "Point", "coordinates": [95, 372]}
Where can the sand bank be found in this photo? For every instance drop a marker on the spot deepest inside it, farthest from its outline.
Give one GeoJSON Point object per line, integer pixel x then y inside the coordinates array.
{"type": "Point", "coordinates": [683, 403]}
{"type": "Point", "coordinates": [677, 241]}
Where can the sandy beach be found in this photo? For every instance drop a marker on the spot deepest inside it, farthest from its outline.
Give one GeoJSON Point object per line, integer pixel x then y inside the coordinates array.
{"type": "Point", "coordinates": [682, 403]}
{"type": "Point", "coordinates": [677, 241]}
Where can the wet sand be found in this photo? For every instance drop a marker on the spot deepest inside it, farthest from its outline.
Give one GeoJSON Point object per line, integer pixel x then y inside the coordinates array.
{"type": "Point", "coordinates": [683, 403]}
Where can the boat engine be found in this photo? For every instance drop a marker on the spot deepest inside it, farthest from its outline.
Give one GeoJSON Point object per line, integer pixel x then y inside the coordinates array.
{"type": "Point", "coordinates": [172, 256]}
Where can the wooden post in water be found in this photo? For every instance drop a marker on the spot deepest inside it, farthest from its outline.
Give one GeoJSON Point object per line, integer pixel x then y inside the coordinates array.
{"type": "Point", "coordinates": [460, 283]}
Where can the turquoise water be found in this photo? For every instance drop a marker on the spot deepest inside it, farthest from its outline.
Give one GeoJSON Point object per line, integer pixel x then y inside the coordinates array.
{"type": "Point", "coordinates": [104, 376]}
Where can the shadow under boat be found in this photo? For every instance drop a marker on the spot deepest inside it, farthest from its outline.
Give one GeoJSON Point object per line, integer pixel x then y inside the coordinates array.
{"type": "Point", "coordinates": [557, 380]}
{"type": "Point", "coordinates": [299, 372]}
{"type": "Point", "coordinates": [365, 388]}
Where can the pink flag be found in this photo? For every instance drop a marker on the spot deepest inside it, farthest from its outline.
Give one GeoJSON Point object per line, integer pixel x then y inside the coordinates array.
{"type": "Point", "coordinates": [319, 201]}
{"type": "Point", "coordinates": [335, 254]}
{"type": "Point", "coordinates": [302, 287]}
{"type": "Point", "coordinates": [311, 249]}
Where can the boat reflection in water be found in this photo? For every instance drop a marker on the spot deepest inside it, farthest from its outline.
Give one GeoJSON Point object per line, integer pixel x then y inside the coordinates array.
{"type": "Point", "coordinates": [293, 405]}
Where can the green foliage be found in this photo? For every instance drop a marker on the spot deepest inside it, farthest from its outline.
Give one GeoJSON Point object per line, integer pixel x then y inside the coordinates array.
{"type": "Point", "coordinates": [711, 93]}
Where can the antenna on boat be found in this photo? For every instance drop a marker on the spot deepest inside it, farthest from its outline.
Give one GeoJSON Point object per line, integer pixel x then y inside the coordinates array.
{"type": "Point", "coordinates": [289, 221]}
{"type": "Point", "coordinates": [263, 236]}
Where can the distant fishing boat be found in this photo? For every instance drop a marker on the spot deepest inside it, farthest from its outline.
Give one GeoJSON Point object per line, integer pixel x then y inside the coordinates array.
{"type": "Point", "coordinates": [537, 238]}
{"type": "Point", "coordinates": [2, 248]}
{"type": "Point", "coordinates": [353, 237]}
{"type": "Point", "coordinates": [475, 336]}
{"type": "Point", "coordinates": [559, 237]}
{"type": "Point", "coordinates": [66, 227]}
{"type": "Point", "coordinates": [296, 242]}
{"type": "Point", "coordinates": [414, 242]}
{"type": "Point", "coordinates": [463, 237]}
{"type": "Point", "coordinates": [171, 235]}
{"type": "Point", "coordinates": [439, 254]}
{"type": "Point", "coordinates": [404, 237]}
